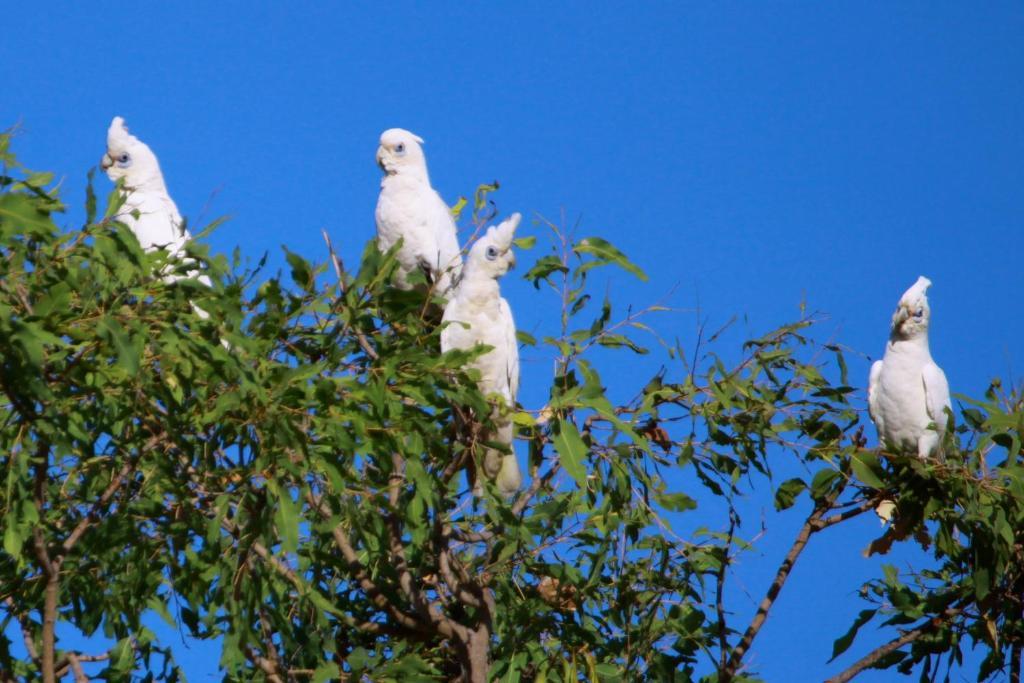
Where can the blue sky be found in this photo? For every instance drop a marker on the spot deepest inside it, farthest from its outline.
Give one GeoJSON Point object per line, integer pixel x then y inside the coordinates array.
{"type": "Point", "coordinates": [750, 156]}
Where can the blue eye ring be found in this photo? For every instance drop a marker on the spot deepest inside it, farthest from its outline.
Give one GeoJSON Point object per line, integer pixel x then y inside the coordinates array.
{"type": "Point", "coordinates": [491, 253]}
{"type": "Point", "coordinates": [919, 313]}
{"type": "Point", "coordinates": [400, 148]}
{"type": "Point", "coordinates": [124, 161]}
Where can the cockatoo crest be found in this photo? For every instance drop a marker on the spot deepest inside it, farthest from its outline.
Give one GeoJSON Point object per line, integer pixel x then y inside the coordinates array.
{"type": "Point", "coordinates": [492, 255]}
{"type": "Point", "coordinates": [912, 312]}
{"type": "Point", "coordinates": [400, 152]}
{"type": "Point", "coordinates": [129, 158]}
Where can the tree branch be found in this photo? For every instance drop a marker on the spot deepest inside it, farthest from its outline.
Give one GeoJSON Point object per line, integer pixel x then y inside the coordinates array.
{"type": "Point", "coordinates": [26, 629]}
{"type": "Point", "coordinates": [910, 636]}
{"type": "Point", "coordinates": [444, 624]}
{"type": "Point", "coordinates": [359, 572]}
{"type": "Point", "coordinates": [266, 666]}
{"type": "Point", "coordinates": [76, 668]}
{"type": "Point", "coordinates": [51, 569]}
{"type": "Point", "coordinates": [94, 511]}
{"type": "Point", "coordinates": [736, 657]}
{"type": "Point", "coordinates": [861, 508]}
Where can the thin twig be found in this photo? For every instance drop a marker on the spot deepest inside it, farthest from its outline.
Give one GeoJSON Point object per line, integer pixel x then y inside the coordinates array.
{"type": "Point", "coordinates": [26, 629]}
{"type": "Point", "coordinates": [96, 508]}
{"type": "Point", "coordinates": [339, 270]}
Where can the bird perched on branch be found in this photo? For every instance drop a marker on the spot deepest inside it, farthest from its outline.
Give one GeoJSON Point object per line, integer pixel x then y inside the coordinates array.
{"type": "Point", "coordinates": [148, 209]}
{"type": "Point", "coordinates": [908, 395]}
{"type": "Point", "coordinates": [409, 209]}
{"type": "Point", "coordinates": [475, 314]}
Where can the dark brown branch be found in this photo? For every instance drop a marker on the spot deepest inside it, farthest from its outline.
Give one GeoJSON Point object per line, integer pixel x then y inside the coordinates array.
{"type": "Point", "coordinates": [736, 657]}
{"type": "Point", "coordinates": [910, 636]}
{"type": "Point", "coordinates": [458, 588]}
{"type": "Point", "coordinates": [268, 638]}
{"type": "Point", "coordinates": [861, 508]}
{"type": "Point", "coordinates": [47, 662]}
{"type": "Point", "coordinates": [445, 625]}
{"type": "Point", "coordinates": [359, 572]}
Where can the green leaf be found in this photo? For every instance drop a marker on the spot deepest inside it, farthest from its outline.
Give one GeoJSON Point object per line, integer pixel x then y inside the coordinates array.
{"type": "Point", "coordinates": [326, 672]}
{"type": "Point", "coordinates": [543, 269]}
{"type": "Point", "coordinates": [605, 252]}
{"type": "Point", "coordinates": [571, 449]}
{"type": "Point", "coordinates": [525, 338]}
{"type": "Point", "coordinates": [21, 213]}
{"type": "Point", "coordinates": [843, 643]}
{"type": "Point", "coordinates": [787, 492]}
{"type": "Point", "coordinates": [90, 197]}
{"type": "Point", "coordinates": [458, 207]}
{"type": "Point", "coordinates": [13, 541]}
{"type": "Point", "coordinates": [286, 517]}
{"type": "Point", "coordinates": [122, 656]}
{"type": "Point", "coordinates": [982, 580]}
{"type": "Point", "coordinates": [302, 272]}
{"type": "Point", "coordinates": [868, 469]}
{"type": "Point", "coordinates": [676, 502]}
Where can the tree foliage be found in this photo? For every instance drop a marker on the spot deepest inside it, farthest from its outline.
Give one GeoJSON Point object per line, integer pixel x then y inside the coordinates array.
{"type": "Point", "coordinates": [287, 475]}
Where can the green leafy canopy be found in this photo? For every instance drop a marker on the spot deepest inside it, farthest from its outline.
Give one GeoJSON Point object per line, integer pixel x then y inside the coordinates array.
{"type": "Point", "coordinates": [287, 475]}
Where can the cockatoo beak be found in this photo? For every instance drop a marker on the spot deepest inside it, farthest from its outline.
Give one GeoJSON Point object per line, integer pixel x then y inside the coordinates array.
{"type": "Point", "coordinates": [380, 159]}
{"type": "Point", "coordinates": [511, 260]}
{"type": "Point", "coordinates": [106, 162]}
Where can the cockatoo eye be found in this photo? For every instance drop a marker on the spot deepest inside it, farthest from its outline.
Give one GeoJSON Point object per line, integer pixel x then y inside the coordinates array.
{"type": "Point", "coordinates": [491, 253]}
{"type": "Point", "coordinates": [400, 148]}
{"type": "Point", "coordinates": [125, 160]}
{"type": "Point", "coordinates": [919, 313]}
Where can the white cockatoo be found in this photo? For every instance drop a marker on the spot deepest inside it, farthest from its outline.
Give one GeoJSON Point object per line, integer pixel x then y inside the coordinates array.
{"type": "Point", "coordinates": [158, 224]}
{"type": "Point", "coordinates": [908, 394]}
{"type": "Point", "coordinates": [475, 314]}
{"type": "Point", "coordinates": [409, 209]}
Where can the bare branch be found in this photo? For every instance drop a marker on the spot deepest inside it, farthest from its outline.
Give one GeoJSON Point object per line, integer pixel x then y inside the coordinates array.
{"type": "Point", "coordinates": [76, 668]}
{"type": "Point", "coordinates": [861, 508]}
{"type": "Point", "coordinates": [736, 657]}
{"type": "Point", "coordinates": [266, 666]}
{"type": "Point", "coordinates": [26, 629]}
